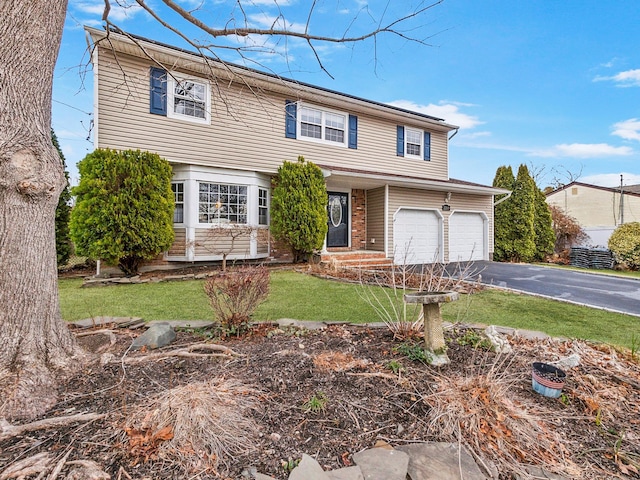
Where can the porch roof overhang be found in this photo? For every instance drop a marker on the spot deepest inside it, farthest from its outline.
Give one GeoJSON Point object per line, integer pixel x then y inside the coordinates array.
{"type": "Point", "coordinates": [347, 178]}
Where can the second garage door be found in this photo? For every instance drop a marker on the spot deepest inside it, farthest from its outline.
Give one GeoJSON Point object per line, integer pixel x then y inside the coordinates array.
{"type": "Point", "coordinates": [417, 236]}
{"type": "Point", "coordinates": [467, 236]}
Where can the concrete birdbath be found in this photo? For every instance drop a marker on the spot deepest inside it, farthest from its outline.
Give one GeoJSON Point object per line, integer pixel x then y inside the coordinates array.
{"type": "Point", "coordinates": [433, 332]}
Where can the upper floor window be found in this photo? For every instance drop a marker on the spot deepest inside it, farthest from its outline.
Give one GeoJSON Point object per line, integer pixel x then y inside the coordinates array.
{"type": "Point", "coordinates": [188, 99]}
{"type": "Point", "coordinates": [178, 196]}
{"type": "Point", "coordinates": [222, 203]}
{"type": "Point", "coordinates": [413, 143]}
{"type": "Point", "coordinates": [321, 125]}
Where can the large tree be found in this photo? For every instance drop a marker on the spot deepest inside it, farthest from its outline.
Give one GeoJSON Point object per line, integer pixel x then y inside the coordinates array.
{"type": "Point", "coordinates": [35, 345]}
{"type": "Point", "coordinates": [503, 216]}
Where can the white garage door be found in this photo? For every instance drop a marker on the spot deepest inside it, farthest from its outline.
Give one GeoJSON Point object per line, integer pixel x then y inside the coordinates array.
{"type": "Point", "coordinates": [416, 235]}
{"type": "Point", "coordinates": [466, 237]}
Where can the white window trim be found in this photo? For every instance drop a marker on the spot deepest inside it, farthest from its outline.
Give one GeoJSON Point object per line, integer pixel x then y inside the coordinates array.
{"type": "Point", "coordinates": [406, 137]}
{"type": "Point", "coordinates": [172, 79]}
{"type": "Point", "coordinates": [184, 202]}
{"type": "Point", "coordinates": [322, 140]}
{"type": "Point", "coordinates": [225, 221]}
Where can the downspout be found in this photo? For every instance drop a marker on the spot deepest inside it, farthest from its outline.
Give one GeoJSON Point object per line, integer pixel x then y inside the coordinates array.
{"type": "Point", "coordinates": [621, 201]}
{"type": "Point", "coordinates": [454, 134]}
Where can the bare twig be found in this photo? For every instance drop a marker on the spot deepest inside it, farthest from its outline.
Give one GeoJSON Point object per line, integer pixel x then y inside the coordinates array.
{"type": "Point", "coordinates": [199, 350]}
{"type": "Point", "coordinates": [9, 431]}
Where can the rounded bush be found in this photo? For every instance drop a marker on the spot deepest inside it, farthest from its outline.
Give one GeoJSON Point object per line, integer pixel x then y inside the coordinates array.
{"type": "Point", "coordinates": [625, 245]}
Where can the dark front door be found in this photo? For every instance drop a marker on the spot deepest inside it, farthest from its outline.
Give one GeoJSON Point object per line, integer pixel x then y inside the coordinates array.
{"type": "Point", "coordinates": [338, 209]}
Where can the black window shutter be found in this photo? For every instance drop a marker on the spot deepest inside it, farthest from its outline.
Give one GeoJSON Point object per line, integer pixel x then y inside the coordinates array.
{"type": "Point", "coordinates": [353, 131]}
{"type": "Point", "coordinates": [427, 145]}
{"type": "Point", "coordinates": [158, 91]}
{"type": "Point", "coordinates": [291, 116]}
{"type": "Point", "coordinates": [400, 142]}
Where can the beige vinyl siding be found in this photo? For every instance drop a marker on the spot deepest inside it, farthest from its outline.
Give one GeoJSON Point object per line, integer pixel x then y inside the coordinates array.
{"type": "Point", "coordinates": [179, 247]}
{"type": "Point", "coordinates": [375, 219]}
{"type": "Point", "coordinates": [208, 244]}
{"type": "Point", "coordinates": [246, 131]}
{"type": "Point", "coordinates": [427, 199]}
{"type": "Point", "coordinates": [593, 207]}
{"type": "Point", "coordinates": [263, 241]}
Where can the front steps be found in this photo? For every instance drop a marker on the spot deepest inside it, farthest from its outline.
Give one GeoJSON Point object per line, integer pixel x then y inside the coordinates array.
{"type": "Point", "coordinates": [364, 259]}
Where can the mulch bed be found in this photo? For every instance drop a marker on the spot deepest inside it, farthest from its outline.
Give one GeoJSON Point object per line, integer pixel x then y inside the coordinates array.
{"type": "Point", "coordinates": [334, 392]}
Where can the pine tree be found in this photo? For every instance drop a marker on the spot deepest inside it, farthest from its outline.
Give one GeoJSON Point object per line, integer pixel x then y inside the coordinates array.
{"type": "Point", "coordinates": [543, 226]}
{"type": "Point", "coordinates": [523, 202]}
{"type": "Point", "coordinates": [502, 218]}
{"type": "Point", "coordinates": [63, 212]}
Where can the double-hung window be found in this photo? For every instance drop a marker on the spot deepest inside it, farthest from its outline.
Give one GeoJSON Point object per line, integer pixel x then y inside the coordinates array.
{"type": "Point", "coordinates": [222, 203]}
{"type": "Point", "coordinates": [322, 126]}
{"type": "Point", "coordinates": [263, 207]}
{"type": "Point", "coordinates": [413, 143]}
{"type": "Point", "coordinates": [178, 197]}
{"type": "Point", "coordinates": [189, 99]}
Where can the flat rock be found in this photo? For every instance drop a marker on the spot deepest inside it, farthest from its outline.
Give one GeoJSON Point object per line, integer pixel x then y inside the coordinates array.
{"type": "Point", "coordinates": [309, 325]}
{"type": "Point", "coordinates": [186, 323]}
{"type": "Point", "coordinates": [538, 473]}
{"type": "Point", "coordinates": [532, 335]}
{"type": "Point", "coordinates": [260, 476]}
{"type": "Point", "coordinates": [100, 321]}
{"type": "Point", "coordinates": [444, 461]}
{"type": "Point", "coordinates": [382, 464]}
{"type": "Point", "coordinates": [157, 336]}
{"type": "Point", "coordinates": [308, 469]}
{"type": "Point", "coordinates": [348, 473]}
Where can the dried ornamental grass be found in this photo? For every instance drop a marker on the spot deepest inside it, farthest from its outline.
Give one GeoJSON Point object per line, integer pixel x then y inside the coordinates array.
{"type": "Point", "coordinates": [199, 425]}
{"type": "Point", "coordinates": [476, 408]}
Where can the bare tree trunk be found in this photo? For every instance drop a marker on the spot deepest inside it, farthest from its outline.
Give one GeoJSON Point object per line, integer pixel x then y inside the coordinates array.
{"type": "Point", "coordinates": [35, 344]}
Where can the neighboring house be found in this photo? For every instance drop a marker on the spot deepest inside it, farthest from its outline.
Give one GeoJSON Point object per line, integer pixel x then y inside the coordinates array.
{"type": "Point", "coordinates": [226, 129]}
{"type": "Point", "coordinates": [599, 210]}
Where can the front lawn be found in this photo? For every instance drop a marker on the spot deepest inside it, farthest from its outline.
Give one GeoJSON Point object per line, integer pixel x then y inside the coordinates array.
{"type": "Point", "coordinates": [303, 297]}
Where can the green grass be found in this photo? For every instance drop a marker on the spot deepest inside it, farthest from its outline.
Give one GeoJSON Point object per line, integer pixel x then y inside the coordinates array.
{"type": "Point", "coordinates": [303, 297]}
{"type": "Point", "coordinates": [494, 307]}
{"type": "Point", "coordinates": [597, 271]}
{"type": "Point", "coordinates": [151, 301]}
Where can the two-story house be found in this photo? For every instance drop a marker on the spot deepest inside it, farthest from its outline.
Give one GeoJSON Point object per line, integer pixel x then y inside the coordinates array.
{"type": "Point", "coordinates": [226, 129]}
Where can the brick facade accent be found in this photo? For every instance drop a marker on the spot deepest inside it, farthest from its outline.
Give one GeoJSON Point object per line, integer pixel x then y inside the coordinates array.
{"type": "Point", "coordinates": [358, 219]}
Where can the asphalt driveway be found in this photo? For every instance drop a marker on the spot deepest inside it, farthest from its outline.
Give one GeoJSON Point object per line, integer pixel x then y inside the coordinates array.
{"type": "Point", "coordinates": [613, 293]}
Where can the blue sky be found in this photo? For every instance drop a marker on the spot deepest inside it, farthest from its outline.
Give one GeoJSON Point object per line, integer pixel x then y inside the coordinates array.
{"type": "Point", "coordinates": [553, 84]}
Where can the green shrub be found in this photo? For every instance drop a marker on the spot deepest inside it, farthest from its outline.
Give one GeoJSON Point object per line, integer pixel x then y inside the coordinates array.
{"type": "Point", "coordinates": [625, 245]}
{"type": "Point", "coordinates": [299, 207]}
{"type": "Point", "coordinates": [124, 207]}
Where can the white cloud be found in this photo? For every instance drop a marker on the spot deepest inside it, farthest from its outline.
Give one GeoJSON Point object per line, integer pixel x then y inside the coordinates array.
{"type": "Point", "coordinates": [611, 180]}
{"type": "Point", "coordinates": [118, 13]}
{"type": "Point", "coordinates": [629, 78]}
{"type": "Point", "coordinates": [450, 112]}
{"type": "Point", "coordinates": [473, 135]}
{"type": "Point", "coordinates": [583, 150]}
{"type": "Point", "coordinates": [627, 129]}
{"type": "Point", "coordinates": [270, 21]}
